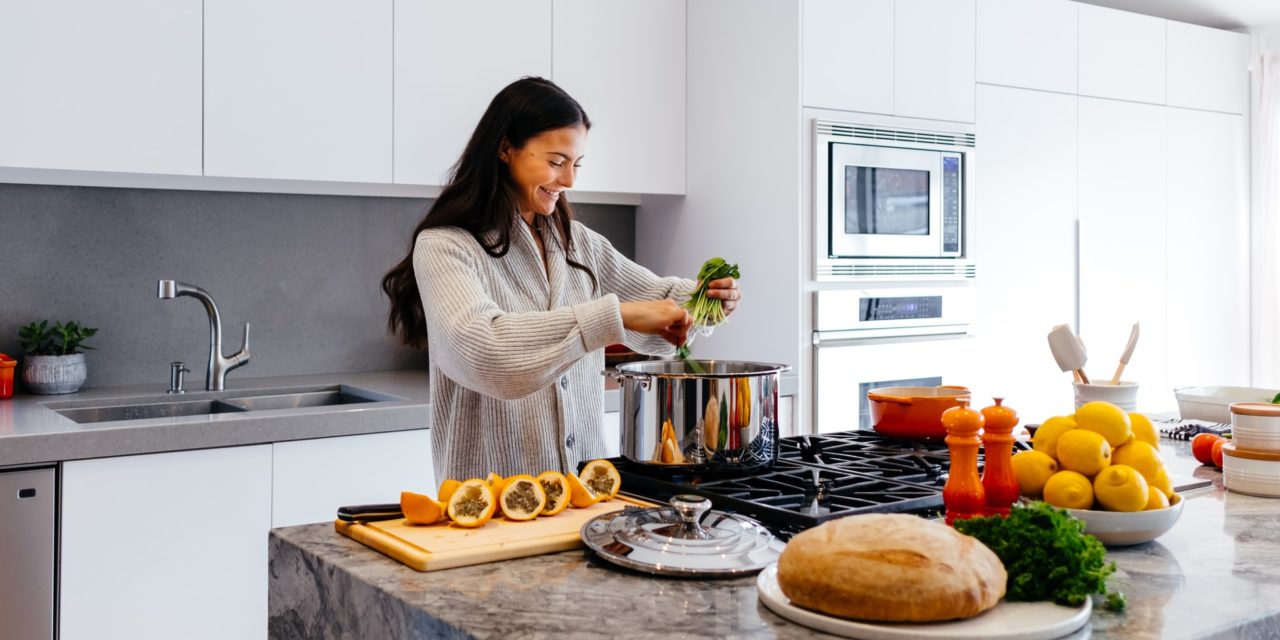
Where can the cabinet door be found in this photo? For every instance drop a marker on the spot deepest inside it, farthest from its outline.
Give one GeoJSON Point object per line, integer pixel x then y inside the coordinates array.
{"type": "Point", "coordinates": [312, 478]}
{"type": "Point", "coordinates": [167, 545]}
{"type": "Point", "coordinates": [1122, 55]}
{"type": "Point", "coordinates": [298, 89]}
{"type": "Point", "coordinates": [848, 55]}
{"type": "Point", "coordinates": [624, 62]}
{"type": "Point", "coordinates": [1028, 43]}
{"type": "Point", "coordinates": [451, 58]}
{"type": "Point", "coordinates": [933, 51]}
{"type": "Point", "coordinates": [1208, 255]}
{"type": "Point", "coordinates": [1207, 68]}
{"type": "Point", "coordinates": [1023, 235]}
{"type": "Point", "coordinates": [101, 86]}
{"type": "Point", "coordinates": [612, 427]}
{"type": "Point", "coordinates": [1122, 242]}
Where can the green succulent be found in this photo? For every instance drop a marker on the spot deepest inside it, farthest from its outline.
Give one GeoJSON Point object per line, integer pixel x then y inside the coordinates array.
{"type": "Point", "coordinates": [39, 339]}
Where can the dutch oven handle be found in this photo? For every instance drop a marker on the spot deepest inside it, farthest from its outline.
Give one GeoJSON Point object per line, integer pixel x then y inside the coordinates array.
{"type": "Point", "coordinates": [877, 397]}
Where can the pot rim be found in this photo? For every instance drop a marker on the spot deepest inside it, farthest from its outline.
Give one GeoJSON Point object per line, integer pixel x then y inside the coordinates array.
{"type": "Point", "coordinates": [641, 370]}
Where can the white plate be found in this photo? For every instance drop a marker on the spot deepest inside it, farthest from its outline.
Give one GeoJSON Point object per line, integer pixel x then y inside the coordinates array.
{"type": "Point", "coordinates": [1005, 621]}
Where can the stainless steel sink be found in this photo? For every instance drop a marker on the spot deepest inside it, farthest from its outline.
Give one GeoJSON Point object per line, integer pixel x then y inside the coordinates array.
{"type": "Point", "coordinates": [225, 402]}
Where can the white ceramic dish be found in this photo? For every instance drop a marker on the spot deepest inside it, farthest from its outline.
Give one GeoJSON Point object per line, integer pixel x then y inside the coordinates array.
{"type": "Point", "coordinates": [1256, 426]}
{"type": "Point", "coordinates": [1121, 529]}
{"type": "Point", "coordinates": [1006, 621]}
{"type": "Point", "coordinates": [1212, 403]}
{"type": "Point", "coordinates": [1251, 473]}
{"type": "Point", "coordinates": [1122, 394]}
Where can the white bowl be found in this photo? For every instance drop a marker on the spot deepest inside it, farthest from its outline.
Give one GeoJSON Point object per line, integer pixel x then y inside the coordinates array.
{"type": "Point", "coordinates": [1213, 403]}
{"type": "Point", "coordinates": [1120, 529]}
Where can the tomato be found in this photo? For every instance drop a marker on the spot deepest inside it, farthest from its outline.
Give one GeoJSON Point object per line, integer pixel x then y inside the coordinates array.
{"type": "Point", "coordinates": [1202, 447]}
{"type": "Point", "coordinates": [1217, 452]}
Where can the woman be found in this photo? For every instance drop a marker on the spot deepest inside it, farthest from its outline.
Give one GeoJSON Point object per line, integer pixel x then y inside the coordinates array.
{"type": "Point", "coordinates": [516, 301]}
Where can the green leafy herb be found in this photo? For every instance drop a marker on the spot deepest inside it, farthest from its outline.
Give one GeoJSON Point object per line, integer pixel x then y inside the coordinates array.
{"type": "Point", "coordinates": [1046, 553]}
{"type": "Point", "coordinates": [1115, 601]}
{"type": "Point", "coordinates": [1276, 400]}
{"type": "Point", "coordinates": [706, 311]}
{"type": "Point", "coordinates": [39, 339]}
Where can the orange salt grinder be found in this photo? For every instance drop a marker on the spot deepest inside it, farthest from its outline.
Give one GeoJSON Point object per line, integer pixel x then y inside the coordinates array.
{"type": "Point", "coordinates": [963, 494]}
{"type": "Point", "coordinates": [998, 481]}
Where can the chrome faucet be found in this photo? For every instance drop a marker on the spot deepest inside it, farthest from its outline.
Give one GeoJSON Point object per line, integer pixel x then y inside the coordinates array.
{"type": "Point", "coordinates": [219, 367]}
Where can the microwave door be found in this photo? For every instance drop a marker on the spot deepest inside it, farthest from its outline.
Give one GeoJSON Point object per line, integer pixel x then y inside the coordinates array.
{"type": "Point", "coordinates": [883, 202]}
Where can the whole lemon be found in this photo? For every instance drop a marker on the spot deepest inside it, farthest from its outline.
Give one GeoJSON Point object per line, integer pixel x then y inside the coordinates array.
{"type": "Point", "coordinates": [1156, 499]}
{"type": "Point", "coordinates": [1083, 451]}
{"type": "Point", "coordinates": [1033, 469]}
{"type": "Point", "coordinates": [1162, 482]}
{"type": "Point", "coordinates": [1140, 456]}
{"type": "Point", "coordinates": [1106, 419]}
{"type": "Point", "coordinates": [1068, 490]}
{"type": "Point", "coordinates": [1144, 430]}
{"type": "Point", "coordinates": [1046, 438]}
{"type": "Point", "coordinates": [1121, 488]}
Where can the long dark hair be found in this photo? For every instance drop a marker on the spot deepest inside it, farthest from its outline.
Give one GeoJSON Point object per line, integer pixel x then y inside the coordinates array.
{"type": "Point", "coordinates": [480, 196]}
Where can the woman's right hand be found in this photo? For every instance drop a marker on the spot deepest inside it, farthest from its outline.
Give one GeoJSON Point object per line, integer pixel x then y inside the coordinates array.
{"type": "Point", "coordinates": [664, 318]}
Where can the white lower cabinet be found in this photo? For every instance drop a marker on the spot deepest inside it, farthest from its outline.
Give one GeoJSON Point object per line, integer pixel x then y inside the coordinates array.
{"type": "Point", "coordinates": [167, 545]}
{"type": "Point", "coordinates": [612, 427]}
{"type": "Point", "coordinates": [312, 478]}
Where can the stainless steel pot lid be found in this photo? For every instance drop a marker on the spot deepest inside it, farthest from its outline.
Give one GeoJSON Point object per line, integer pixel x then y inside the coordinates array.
{"type": "Point", "coordinates": [685, 539]}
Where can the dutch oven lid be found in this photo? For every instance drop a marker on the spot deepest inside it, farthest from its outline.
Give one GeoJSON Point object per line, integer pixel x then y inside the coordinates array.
{"type": "Point", "coordinates": [684, 539]}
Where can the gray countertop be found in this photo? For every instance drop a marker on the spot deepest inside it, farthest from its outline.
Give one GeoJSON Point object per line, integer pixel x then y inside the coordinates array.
{"type": "Point", "coordinates": [1215, 574]}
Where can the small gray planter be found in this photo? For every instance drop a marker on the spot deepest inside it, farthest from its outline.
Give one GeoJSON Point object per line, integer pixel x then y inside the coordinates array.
{"type": "Point", "coordinates": [49, 375]}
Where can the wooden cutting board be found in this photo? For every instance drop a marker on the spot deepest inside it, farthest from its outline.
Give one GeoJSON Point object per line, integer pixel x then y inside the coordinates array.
{"type": "Point", "coordinates": [445, 546]}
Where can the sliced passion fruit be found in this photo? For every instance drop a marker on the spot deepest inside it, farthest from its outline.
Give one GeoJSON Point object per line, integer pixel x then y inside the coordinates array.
{"type": "Point", "coordinates": [420, 509]}
{"type": "Point", "coordinates": [557, 489]}
{"type": "Point", "coordinates": [447, 488]}
{"type": "Point", "coordinates": [580, 495]}
{"type": "Point", "coordinates": [495, 482]}
{"type": "Point", "coordinates": [523, 498]}
{"type": "Point", "coordinates": [472, 504]}
{"type": "Point", "coordinates": [602, 478]}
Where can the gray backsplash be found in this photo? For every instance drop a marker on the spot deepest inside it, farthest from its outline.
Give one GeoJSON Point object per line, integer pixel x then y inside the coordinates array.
{"type": "Point", "coordinates": [304, 270]}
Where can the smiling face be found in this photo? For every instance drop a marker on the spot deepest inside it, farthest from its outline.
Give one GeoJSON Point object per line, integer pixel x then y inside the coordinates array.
{"type": "Point", "coordinates": [544, 167]}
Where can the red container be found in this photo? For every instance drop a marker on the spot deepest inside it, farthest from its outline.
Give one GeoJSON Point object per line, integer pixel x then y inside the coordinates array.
{"type": "Point", "coordinates": [7, 365]}
{"type": "Point", "coordinates": [913, 413]}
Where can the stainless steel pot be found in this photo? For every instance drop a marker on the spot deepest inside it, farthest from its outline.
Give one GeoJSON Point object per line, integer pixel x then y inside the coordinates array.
{"type": "Point", "coordinates": [719, 421]}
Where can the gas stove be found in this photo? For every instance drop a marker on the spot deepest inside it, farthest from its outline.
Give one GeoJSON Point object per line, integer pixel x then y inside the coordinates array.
{"type": "Point", "coordinates": [816, 478]}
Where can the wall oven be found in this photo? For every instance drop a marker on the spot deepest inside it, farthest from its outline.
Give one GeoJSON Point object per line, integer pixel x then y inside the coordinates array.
{"type": "Point", "coordinates": [890, 197]}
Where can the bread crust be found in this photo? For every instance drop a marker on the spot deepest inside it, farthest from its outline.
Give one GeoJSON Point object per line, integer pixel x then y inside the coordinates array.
{"type": "Point", "coordinates": [890, 568]}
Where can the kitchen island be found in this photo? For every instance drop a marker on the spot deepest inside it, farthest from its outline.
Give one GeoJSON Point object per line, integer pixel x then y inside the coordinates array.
{"type": "Point", "coordinates": [1216, 574]}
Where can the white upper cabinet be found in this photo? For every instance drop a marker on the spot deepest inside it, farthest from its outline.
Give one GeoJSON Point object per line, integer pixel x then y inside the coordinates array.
{"type": "Point", "coordinates": [933, 51]}
{"type": "Point", "coordinates": [1207, 68]}
{"type": "Point", "coordinates": [1208, 257]}
{"type": "Point", "coordinates": [624, 61]}
{"type": "Point", "coordinates": [1028, 43]}
{"type": "Point", "coordinates": [298, 89]}
{"type": "Point", "coordinates": [101, 86]}
{"type": "Point", "coordinates": [1122, 55]}
{"type": "Point", "coordinates": [848, 55]}
{"type": "Point", "coordinates": [1122, 242]}
{"type": "Point", "coordinates": [451, 59]}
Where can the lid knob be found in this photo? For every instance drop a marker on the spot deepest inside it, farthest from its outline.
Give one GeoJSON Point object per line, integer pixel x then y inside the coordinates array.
{"type": "Point", "coordinates": [690, 509]}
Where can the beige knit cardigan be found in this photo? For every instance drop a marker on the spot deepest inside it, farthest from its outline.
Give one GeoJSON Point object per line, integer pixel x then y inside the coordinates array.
{"type": "Point", "coordinates": [516, 349]}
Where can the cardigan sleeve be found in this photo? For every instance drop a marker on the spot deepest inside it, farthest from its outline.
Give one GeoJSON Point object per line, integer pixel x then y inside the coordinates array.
{"type": "Point", "coordinates": [500, 354]}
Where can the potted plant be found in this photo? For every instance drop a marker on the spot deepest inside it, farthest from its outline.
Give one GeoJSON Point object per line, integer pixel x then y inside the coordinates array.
{"type": "Point", "coordinates": [53, 362]}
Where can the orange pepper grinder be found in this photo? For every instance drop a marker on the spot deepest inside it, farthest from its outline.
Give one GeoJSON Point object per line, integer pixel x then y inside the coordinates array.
{"type": "Point", "coordinates": [963, 494]}
{"type": "Point", "coordinates": [998, 481]}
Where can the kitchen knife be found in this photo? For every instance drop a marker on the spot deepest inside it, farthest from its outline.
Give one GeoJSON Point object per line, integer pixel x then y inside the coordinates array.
{"type": "Point", "coordinates": [370, 512]}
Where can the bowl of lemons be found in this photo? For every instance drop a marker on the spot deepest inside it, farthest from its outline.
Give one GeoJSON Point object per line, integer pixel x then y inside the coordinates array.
{"type": "Point", "coordinates": [1102, 464]}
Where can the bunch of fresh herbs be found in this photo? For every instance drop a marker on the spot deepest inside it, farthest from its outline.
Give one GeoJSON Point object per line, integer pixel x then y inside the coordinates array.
{"type": "Point", "coordinates": [39, 339]}
{"type": "Point", "coordinates": [1047, 555]}
{"type": "Point", "coordinates": [705, 310]}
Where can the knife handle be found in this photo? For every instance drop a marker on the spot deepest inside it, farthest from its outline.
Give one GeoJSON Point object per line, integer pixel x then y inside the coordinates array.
{"type": "Point", "coordinates": [370, 512]}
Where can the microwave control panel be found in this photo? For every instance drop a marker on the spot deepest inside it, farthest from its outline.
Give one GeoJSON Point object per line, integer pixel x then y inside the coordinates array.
{"type": "Point", "coordinates": [951, 204]}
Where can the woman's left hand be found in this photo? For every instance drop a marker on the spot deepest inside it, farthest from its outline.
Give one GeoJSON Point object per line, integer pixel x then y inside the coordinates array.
{"type": "Point", "coordinates": [726, 290]}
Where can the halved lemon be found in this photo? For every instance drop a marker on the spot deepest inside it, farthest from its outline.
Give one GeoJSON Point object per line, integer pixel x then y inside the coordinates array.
{"type": "Point", "coordinates": [447, 488]}
{"type": "Point", "coordinates": [557, 489]}
{"type": "Point", "coordinates": [472, 504]}
{"type": "Point", "coordinates": [580, 495]}
{"type": "Point", "coordinates": [420, 509]}
{"type": "Point", "coordinates": [523, 498]}
{"type": "Point", "coordinates": [602, 478]}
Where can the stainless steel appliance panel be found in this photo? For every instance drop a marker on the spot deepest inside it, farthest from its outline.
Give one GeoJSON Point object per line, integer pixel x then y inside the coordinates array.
{"type": "Point", "coordinates": [27, 508]}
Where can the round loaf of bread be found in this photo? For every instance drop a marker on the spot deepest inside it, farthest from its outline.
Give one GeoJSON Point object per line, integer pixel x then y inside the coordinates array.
{"type": "Point", "coordinates": [891, 568]}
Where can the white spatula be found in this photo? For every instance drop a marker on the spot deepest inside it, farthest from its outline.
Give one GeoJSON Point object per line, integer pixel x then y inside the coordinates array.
{"type": "Point", "coordinates": [1128, 353]}
{"type": "Point", "coordinates": [1068, 350]}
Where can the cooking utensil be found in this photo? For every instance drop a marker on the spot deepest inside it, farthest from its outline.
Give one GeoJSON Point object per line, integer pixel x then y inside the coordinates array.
{"type": "Point", "coordinates": [1128, 353]}
{"type": "Point", "coordinates": [664, 415]}
{"type": "Point", "coordinates": [913, 412]}
{"type": "Point", "coordinates": [1068, 350]}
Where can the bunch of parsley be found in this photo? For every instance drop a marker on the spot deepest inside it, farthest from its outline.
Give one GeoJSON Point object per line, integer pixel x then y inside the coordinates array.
{"type": "Point", "coordinates": [1047, 555]}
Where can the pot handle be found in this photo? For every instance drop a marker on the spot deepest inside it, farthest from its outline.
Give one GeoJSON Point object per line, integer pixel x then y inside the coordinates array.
{"type": "Point", "coordinates": [643, 379]}
{"type": "Point", "coordinates": [876, 397]}
{"type": "Point", "coordinates": [958, 387]}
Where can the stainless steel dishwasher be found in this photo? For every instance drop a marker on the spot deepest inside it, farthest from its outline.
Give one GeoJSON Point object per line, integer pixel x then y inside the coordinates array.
{"type": "Point", "coordinates": [27, 508]}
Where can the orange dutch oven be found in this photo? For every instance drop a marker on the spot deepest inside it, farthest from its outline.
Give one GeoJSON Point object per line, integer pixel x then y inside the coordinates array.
{"type": "Point", "coordinates": [913, 413]}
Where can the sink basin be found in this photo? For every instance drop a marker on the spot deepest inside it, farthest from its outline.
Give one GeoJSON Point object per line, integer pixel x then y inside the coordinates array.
{"type": "Point", "coordinates": [224, 402]}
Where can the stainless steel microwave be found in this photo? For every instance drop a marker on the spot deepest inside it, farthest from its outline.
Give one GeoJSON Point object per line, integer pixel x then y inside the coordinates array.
{"type": "Point", "coordinates": [890, 194]}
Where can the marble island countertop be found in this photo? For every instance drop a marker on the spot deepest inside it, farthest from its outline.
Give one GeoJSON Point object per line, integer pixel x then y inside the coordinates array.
{"type": "Point", "coordinates": [1216, 574]}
